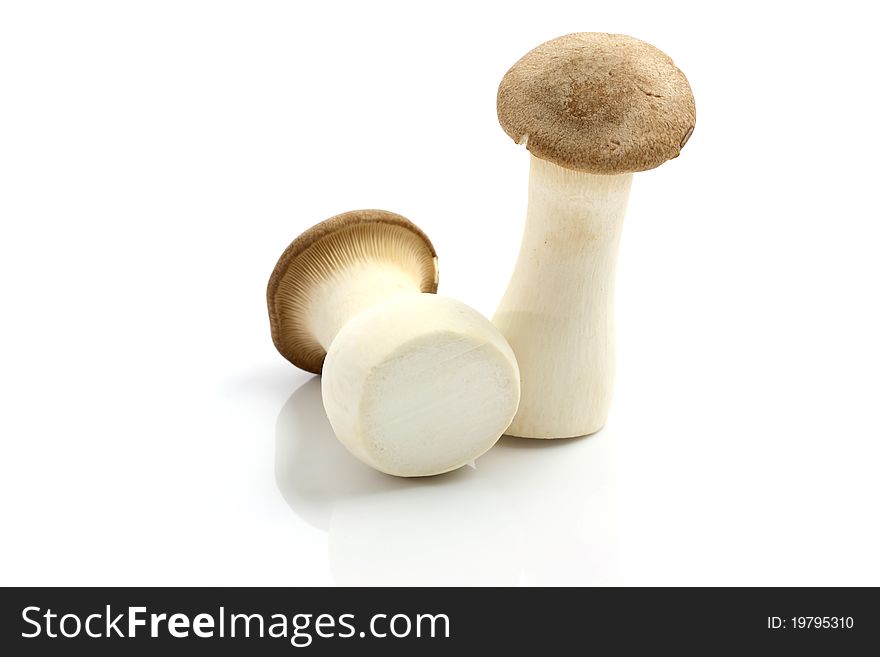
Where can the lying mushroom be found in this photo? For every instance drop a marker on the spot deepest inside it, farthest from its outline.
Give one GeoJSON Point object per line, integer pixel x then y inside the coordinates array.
{"type": "Point", "coordinates": [413, 384]}
{"type": "Point", "coordinates": [592, 109]}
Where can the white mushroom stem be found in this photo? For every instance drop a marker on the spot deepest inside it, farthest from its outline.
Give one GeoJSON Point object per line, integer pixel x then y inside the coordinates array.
{"type": "Point", "coordinates": [336, 300]}
{"type": "Point", "coordinates": [419, 385]}
{"type": "Point", "coordinates": [558, 311]}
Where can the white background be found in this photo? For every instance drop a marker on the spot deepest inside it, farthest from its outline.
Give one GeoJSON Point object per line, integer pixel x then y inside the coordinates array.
{"type": "Point", "coordinates": [157, 157]}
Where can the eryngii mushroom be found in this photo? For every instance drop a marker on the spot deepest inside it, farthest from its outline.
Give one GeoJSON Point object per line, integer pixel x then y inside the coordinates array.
{"type": "Point", "coordinates": [414, 384]}
{"type": "Point", "coordinates": [592, 109]}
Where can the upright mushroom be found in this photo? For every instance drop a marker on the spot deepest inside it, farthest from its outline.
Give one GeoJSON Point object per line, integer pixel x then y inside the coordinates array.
{"type": "Point", "coordinates": [413, 384]}
{"type": "Point", "coordinates": [592, 109]}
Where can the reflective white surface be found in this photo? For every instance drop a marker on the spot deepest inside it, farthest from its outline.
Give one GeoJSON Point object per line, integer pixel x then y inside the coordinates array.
{"type": "Point", "coordinates": [156, 159]}
{"type": "Point", "coordinates": [484, 525]}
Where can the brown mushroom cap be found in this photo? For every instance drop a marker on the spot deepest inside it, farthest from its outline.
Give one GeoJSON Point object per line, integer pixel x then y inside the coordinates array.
{"type": "Point", "coordinates": [328, 248]}
{"type": "Point", "coordinates": [601, 103]}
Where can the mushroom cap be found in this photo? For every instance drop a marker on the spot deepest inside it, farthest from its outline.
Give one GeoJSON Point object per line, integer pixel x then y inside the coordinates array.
{"type": "Point", "coordinates": [600, 103]}
{"type": "Point", "coordinates": [328, 248]}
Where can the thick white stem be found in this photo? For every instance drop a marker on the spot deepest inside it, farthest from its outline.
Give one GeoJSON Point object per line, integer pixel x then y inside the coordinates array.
{"type": "Point", "coordinates": [413, 384]}
{"type": "Point", "coordinates": [558, 311]}
{"type": "Point", "coordinates": [419, 385]}
{"type": "Point", "coordinates": [354, 289]}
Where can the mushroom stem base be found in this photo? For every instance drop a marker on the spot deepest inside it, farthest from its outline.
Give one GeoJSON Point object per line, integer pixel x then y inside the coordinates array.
{"type": "Point", "coordinates": [433, 387]}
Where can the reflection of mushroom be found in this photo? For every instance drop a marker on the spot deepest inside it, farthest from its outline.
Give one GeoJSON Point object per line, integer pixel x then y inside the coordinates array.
{"type": "Point", "coordinates": [455, 530]}
{"type": "Point", "coordinates": [413, 384]}
{"type": "Point", "coordinates": [592, 109]}
{"type": "Point", "coordinates": [452, 529]}
{"type": "Point", "coordinates": [306, 450]}
{"type": "Point", "coordinates": [574, 518]}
